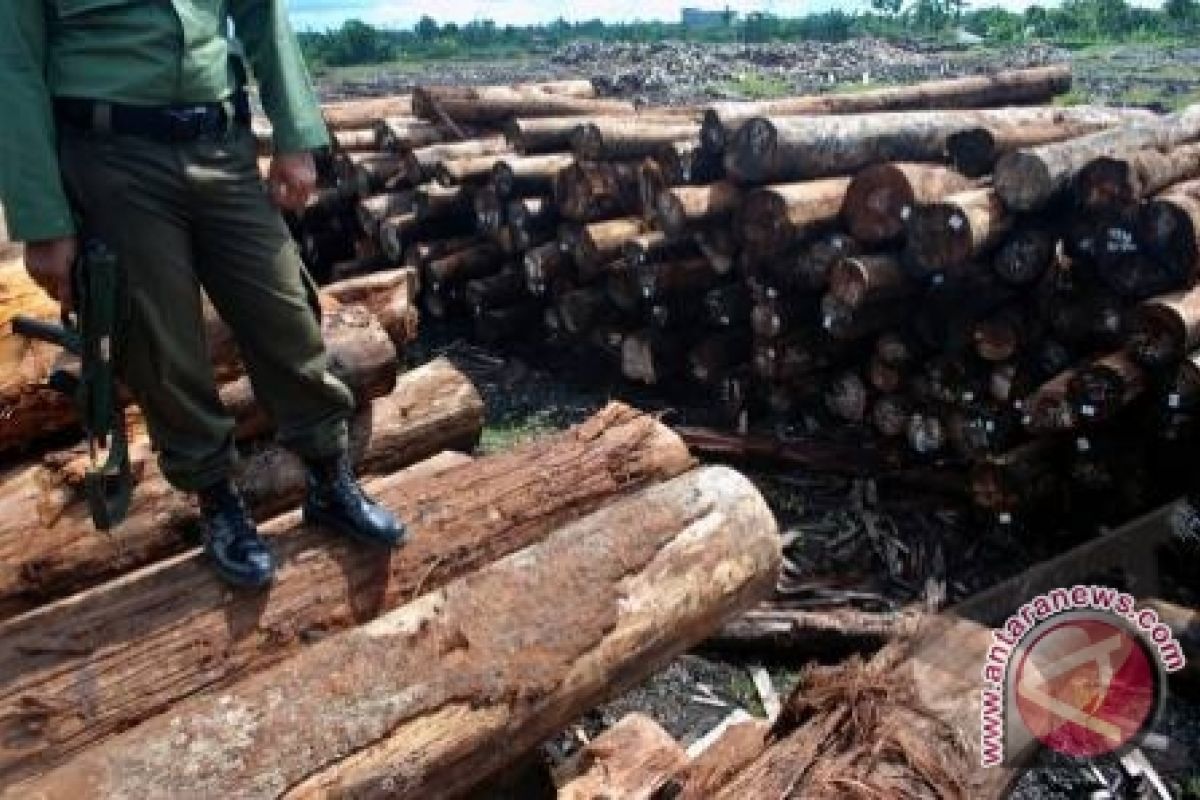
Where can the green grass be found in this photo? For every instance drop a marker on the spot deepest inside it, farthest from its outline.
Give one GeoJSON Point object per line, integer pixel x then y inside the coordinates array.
{"type": "Point", "coordinates": [506, 434]}
{"type": "Point", "coordinates": [756, 86]}
{"type": "Point", "coordinates": [1075, 97]}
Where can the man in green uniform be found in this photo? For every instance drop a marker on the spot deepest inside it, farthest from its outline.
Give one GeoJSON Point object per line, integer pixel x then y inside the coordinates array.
{"type": "Point", "coordinates": [133, 114]}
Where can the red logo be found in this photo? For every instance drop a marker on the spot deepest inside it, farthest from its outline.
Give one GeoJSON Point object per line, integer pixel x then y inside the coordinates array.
{"type": "Point", "coordinates": [1086, 686]}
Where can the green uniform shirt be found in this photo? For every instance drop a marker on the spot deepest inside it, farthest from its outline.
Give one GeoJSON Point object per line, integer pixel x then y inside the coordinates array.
{"type": "Point", "coordinates": [141, 52]}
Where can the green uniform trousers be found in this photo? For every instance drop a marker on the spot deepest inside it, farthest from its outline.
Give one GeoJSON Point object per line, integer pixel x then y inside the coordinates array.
{"type": "Point", "coordinates": [181, 216]}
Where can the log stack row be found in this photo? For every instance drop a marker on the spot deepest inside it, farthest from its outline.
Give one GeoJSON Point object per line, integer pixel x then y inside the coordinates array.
{"type": "Point", "coordinates": [967, 275]}
{"type": "Point", "coordinates": [416, 673]}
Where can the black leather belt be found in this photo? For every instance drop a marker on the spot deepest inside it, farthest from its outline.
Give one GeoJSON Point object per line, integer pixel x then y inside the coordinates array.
{"type": "Point", "coordinates": [182, 123]}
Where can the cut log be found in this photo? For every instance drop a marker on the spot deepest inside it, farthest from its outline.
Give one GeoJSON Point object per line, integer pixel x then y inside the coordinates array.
{"type": "Point", "coordinates": [1029, 179]}
{"type": "Point", "coordinates": [401, 134]}
{"type": "Point", "coordinates": [774, 218]}
{"type": "Point", "coordinates": [463, 518]}
{"type": "Point", "coordinates": [587, 192]}
{"type": "Point", "coordinates": [648, 576]}
{"type": "Point", "coordinates": [679, 208]}
{"type": "Point", "coordinates": [737, 746]}
{"type": "Point", "coordinates": [866, 280]}
{"type": "Point", "coordinates": [529, 175]}
{"type": "Point", "coordinates": [881, 198]}
{"type": "Point", "coordinates": [1025, 255]}
{"type": "Point", "coordinates": [434, 102]}
{"type": "Point", "coordinates": [1114, 182]}
{"type": "Point", "coordinates": [810, 270]}
{"type": "Point", "coordinates": [1169, 230]}
{"type": "Point", "coordinates": [952, 233]}
{"type": "Point", "coordinates": [778, 149]}
{"type": "Point", "coordinates": [545, 266]}
{"type": "Point", "coordinates": [389, 295]}
{"type": "Point", "coordinates": [373, 210]}
{"type": "Point", "coordinates": [432, 408]}
{"type": "Point", "coordinates": [478, 261]}
{"type": "Point", "coordinates": [975, 151]}
{"type": "Point", "coordinates": [492, 105]}
{"type": "Point", "coordinates": [899, 726]}
{"type": "Point", "coordinates": [630, 760]}
{"type": "Point", "coordinates": [801, 635]}
{"type": "Point", "coordinates": [651, 356]}
{"type": "Point", "coordinates": [1018, 87]}
{"type": "Point", "coordinates": [1162, 331]}
{"type": "Point", "coordinates": [368, 173]}
{"type": "Point", "coordinates": [1106, 386]}
{"type": "Point", "coordinates": [469, 171]}
{"type": "Point", "coordinates": [348, 114]}
{"type": "Point", "coordinates": [421, 165]}
{"type": "Point", "coordinates": [32, 411]}
{"type": "Point", "coordinates": [625, 139]}
{"type": "Point", "coordinates": [688, 162]}
{"type": "Point", "coordinates": [355, 140]}
{"type": "Point", "coordinates": [670, 278]}
{"type": "Point", "coordinates": [601, 242]}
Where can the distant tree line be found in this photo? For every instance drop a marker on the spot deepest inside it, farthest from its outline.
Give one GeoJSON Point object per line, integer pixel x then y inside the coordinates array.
{"type": "Point", "coordinates": [1073, 22]}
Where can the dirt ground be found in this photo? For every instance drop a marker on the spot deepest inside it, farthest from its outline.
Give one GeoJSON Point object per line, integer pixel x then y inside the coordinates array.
{"type": "Point", "coordinates": [1158, 76]}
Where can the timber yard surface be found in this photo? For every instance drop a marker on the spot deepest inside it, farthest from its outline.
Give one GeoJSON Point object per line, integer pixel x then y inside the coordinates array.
{"type": "Point", "coordinates": [529, 392]}
{"type": "Point", "coordinates": [881, 528]}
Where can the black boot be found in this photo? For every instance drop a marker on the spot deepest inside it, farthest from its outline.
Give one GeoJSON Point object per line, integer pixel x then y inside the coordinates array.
{"type": "Point", "coordinates": [232, 541]}
{"type": "Point", "coordinates": [335, 500]}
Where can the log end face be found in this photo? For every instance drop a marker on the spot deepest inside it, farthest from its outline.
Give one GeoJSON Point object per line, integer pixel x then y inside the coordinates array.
{"type": "Point", "coordinates": [1023, 181]}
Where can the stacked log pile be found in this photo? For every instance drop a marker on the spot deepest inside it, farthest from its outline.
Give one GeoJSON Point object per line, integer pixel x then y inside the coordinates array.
{"type": "Point", "coordinates": [1005, 287]}
{"type": "Point", "coordinates": [383, 657]}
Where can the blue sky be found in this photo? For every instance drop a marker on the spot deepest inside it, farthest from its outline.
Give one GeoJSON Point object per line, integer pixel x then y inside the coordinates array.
{"type": "Point", "coordinates": [321, 14]}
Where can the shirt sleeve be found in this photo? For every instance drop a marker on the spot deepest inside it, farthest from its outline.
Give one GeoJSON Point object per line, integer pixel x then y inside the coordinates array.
{"type": "Point", "coordinates": [30, 184]}
{"type": "Point", "coordinates": [283, 81]}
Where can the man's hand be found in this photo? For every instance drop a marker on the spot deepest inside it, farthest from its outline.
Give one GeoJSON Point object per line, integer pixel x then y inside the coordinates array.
{"type": "Point", "coordinates": [292, 180]}
{"type": "Point", "coordinates": [49, 263]}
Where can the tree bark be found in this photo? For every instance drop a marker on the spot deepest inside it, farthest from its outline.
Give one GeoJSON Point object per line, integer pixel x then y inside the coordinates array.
{"type": "Point", "coordinates": [588, 192]}
{"type": "Point", "coordinates": [431, 409]}
{"type": "Point", "coordinates": [421, 165]}
{"type": "Point", "coordinates": [389, 295]}
{"type": "Point", "coordinates": [952, 233]}
{"type": "Point", "coordinates": [401, 134]}
{"type": "Point", "coordinates": [975, 151]}
{"type": "Point", "coordinates": [1113, 182]}
{"type": "Point", "coordinates": [33, 411]}
{"type": "Point", "coordinates": [881, 198]}
{"type": "Point", "coordinates": [863, 280]}
{"type": "Point", "coordinates": [491, 102]}
{"type": "Point", "coordinates": [524, 176]}
{"type": "Point", "coordinates": [631, 760]}
{"type": "Point", "coordinates": [899, 726]}
{"type": "Point", "coordinates": [1163, 330]}
{"type": "Point", "coordinates": [620, 139]}
{"type": "Point", "coordinates": [735, 749]}
{"type": "Point", "coordinates": [1028, 179]}
{"type": "Point", "coordinates": [374, 209]}
{"type": "Point", "coordinates": [642, 577]}
{"type": "Point", "coordinates": [350, 114]}
{"type": "Point", "coordinates": [680, 208]}
{"type": "Point", "coordinates": [775, 217]}
{"type": "Point", "coordinates": [463, 517]}
{"type": "Point", "coordinates": [1017, 87]}
{"type": "Point", "coordinates": [779, 149]}
{"type": "Point", "coordinates": [470, 171]}
{"type": "Point", "coordinates": [601, 242]}
{"type": "Point", "coordinates": [1169, 229]}
{"type": "Point", "coordinates": [355, 140]}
